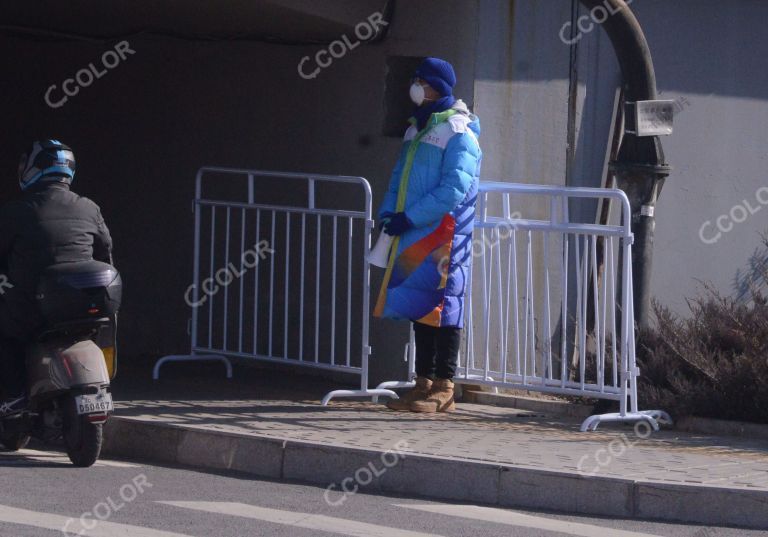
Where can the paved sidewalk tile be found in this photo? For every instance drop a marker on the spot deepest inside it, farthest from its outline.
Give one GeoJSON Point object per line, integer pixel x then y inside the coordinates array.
{"type": "Point", "coordinates": [482, 433]}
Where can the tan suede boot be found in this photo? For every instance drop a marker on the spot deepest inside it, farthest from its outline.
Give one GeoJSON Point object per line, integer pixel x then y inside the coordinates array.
{"type": "Point", "coordinates": [440, 398]}
{"type": "Point", "coordinates": [417, 393]}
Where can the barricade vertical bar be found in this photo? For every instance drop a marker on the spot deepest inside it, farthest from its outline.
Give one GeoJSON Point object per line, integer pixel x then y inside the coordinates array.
{"type": "Point", "coordinates": [596, 300]}
{"type": "Point", "coordinates": [627, 331]}
{"type": "Point", "coordinates": [349, 289]}
{"type": "Point", "coordinates": [497, 245]}
{"type": "Point", "coordinates": [504, 296]}
{"type": "Point", "coordinates": [584, 303]}
{"type": "Point", "coordinates": [242, 274]}
{"type": "Point", "coordinates": [614, 304]}
{"type": "Point", "coordinates": [516, 303]}
{"type": "Point", "coordinates": [195, 267]}
{"type": "Point", "coordinates": [251, 197]}
{"type": "Point", "coordinates": [366, 311]}
{"type": "Point", "coordinates": [486, 284]}
{"type": "Point", "coordinates": [301, 285]}
{"type": "Point", "coordinates": [287, 282]}
{"type": "Point", "coordinates": [505, 371]}
{"type": "Point", "coordinates": [211, 296]}
{"type": "Point", "coordinates": [333, 293]}
{"type": "Point", "coordinates": [579, 299]}
{"type": "Point", "coordinates": [531, 305]}
{"type": "Point", "coordinates": [632, 365]}
{"type": "Point", "coordinates": [226, 287]}
{"type": "Point", "coordinates": [271, 283]}
{"type": "Point", "coordinates": [468, 318]}
{"type": "Point", "coordinates": [603, 314]}
{"type": "Point", "coordinates": [256, 288]}
{"type": "Point", "coordinates": [548, 374]}
{"type": "Point", "coordinates": [317, 290]}
{"type": "Point", "coordinates": [488, 309]}
{"type": "Point", "coordinates": [527, 305]}
{"type": "Point", "coordinates": [564, 373]}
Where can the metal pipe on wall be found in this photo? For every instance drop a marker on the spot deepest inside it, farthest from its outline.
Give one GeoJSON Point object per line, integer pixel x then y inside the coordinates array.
{"type": "Point", "coordinates": [640, 168]}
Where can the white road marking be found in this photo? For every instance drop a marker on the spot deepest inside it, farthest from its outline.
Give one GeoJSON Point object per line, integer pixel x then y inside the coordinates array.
{"type": "Point", "coordinates": [341, 526]}
{"type": "Point", "coordinates": [61, 523]}
{"type": "Point", "coordinates": [53, 457]}
{"type": "Point", "coordinates": [511, 518]}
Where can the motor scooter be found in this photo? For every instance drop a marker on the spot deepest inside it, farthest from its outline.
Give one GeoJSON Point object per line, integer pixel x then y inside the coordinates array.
{"type": "Point", "coordinates": [70, 361]}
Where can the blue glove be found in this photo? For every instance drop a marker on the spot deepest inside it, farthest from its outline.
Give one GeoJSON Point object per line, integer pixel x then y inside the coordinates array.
{"type": "Point", "coordinates": [385, 217]}
{"type": "Point", "coordinates": [397, 225]}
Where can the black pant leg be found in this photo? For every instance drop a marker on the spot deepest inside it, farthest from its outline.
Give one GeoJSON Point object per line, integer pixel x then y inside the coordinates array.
{"type": "Point", "coordinates": [426, 339]}
{"type": "Point", "coordinates": [448, 343]}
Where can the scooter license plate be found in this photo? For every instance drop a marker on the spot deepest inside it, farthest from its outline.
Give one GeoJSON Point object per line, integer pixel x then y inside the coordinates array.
{"type": "Point", "coordinates": [90, 404]}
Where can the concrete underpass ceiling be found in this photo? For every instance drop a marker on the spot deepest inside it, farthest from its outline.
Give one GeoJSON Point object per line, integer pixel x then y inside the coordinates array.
{"type": "Point", "coordinates": [280, 20]}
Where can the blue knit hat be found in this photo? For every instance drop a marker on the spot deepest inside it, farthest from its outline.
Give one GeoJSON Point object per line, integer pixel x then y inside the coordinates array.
{"type": "Point", "coordinates": [439, 74]}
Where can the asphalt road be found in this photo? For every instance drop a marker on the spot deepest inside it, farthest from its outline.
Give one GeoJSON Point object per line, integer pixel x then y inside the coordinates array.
{"type": "Point", "coordinates": [42, 495]}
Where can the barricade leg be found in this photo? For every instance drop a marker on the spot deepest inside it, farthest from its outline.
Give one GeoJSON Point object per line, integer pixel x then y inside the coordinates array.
{"type": "Point", "coordinates": [652, 417]}
{"type": "Point", "coordinates": [364, 391]}
{"type": "Point", "coordinates": [191, 358]}
{"type": "Point", "coordinates": [374, 394]}
{"type": "Point", "coordinates": [393, 385]}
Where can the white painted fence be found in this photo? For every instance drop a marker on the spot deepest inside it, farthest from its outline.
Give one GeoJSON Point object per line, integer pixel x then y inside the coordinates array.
{"type": "Point", "coordinates": [281, 282]}
{"type": "Point", "coordinates": [551, 307]}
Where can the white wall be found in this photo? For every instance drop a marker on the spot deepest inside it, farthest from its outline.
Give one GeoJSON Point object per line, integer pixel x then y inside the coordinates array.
{"type": "Point", "coordinates": [710, 57]}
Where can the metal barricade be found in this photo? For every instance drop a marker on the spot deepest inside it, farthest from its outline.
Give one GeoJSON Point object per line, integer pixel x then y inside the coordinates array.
{"type": "Point", "coordinates": [284, 281]}
{"type": "Point", "coordinates": [550, 308]}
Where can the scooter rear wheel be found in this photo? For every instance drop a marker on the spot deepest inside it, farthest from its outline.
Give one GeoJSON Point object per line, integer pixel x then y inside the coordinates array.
{"type": "Point", "coordinates": [81, 437]}
{"type": "Point", "coordinates": [14, 441]}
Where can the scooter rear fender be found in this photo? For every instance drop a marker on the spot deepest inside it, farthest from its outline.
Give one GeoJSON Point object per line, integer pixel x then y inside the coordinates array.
{"type": "Point", "coordinates": [54, 367]}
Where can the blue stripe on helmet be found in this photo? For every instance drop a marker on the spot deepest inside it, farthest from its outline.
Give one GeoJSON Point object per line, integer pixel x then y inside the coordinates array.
{"type": "Point", "coordinates": [59, 170]}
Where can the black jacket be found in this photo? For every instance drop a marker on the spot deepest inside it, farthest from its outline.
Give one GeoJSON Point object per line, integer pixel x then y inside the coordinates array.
{"type": "Point", "coordinates": [45, 227]}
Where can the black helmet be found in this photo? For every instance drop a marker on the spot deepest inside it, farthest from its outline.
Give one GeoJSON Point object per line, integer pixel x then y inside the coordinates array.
{"type": "Point", "coordinates": [48, 161]}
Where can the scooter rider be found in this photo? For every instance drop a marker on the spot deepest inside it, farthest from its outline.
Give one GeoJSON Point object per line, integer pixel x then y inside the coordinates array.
{"type": "Point", "coordinates": [46, 226]}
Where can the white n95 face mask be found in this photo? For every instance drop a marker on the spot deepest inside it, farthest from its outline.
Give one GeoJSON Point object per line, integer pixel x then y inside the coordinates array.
{"type": "Point", "coordinates": [417, 94]}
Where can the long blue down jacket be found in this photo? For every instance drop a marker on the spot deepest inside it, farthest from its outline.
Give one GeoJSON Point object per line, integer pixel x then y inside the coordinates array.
{"type": "Point", "coordinates": [435, 183]}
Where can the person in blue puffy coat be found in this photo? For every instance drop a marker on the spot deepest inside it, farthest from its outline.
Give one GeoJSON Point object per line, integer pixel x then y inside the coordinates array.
{"type": "Point", "coordinates": [429, 208]}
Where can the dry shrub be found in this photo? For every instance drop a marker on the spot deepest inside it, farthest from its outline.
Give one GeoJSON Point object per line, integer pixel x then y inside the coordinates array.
{"type": "Point", "coordinates": [711, 364]}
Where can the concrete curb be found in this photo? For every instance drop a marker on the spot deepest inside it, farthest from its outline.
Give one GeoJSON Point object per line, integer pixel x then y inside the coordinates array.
{"type": "Point", "coordinates": [439, 478]}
